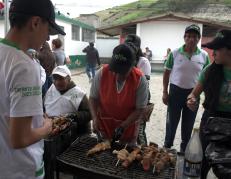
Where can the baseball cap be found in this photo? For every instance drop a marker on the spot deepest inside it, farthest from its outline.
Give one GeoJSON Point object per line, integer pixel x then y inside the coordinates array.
{"type": "Point", "coordinates": [123, 59]}
{"type": "Point", "coordinates": [61, 70]}
{"type": "Point", "coordinates": [222, 39]}
{"type": "Point", "coordinates": [41, 8]}
{"type": "Point", "coordinates": [193, 28]}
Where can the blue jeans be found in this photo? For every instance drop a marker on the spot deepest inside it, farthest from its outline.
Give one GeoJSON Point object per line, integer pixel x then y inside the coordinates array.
{"type": "Point", "coordinates": [177, 106]}
{"type": "Point", "coordinates": [90, 70]}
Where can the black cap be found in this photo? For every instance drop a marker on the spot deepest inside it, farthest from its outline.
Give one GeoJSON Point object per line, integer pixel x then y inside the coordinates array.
{"type": "Point", "coordinates": [222, 39]}
{"type": "Point", "coordinates": [123, 59]}
{"type": "Point", "coordinates": [193, 28]}
{"type": "Point", "coordinates": [41, 8]}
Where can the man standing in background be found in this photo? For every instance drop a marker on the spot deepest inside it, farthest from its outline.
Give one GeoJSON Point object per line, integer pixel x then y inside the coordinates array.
{"type": "Point", "coordinates": [182, 69]}
{"type": "Point", "coordinates": [92, 57]}
{"type": "Point", "coordinates": [148, 54]}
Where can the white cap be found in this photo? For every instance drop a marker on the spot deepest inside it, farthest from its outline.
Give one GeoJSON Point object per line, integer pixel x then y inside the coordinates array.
{"type": "Point", "coordinates": [61, 70]}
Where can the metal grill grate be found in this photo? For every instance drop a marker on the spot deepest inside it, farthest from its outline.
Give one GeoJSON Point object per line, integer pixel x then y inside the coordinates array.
{"type": "Point", "coordinates": [104, 162]}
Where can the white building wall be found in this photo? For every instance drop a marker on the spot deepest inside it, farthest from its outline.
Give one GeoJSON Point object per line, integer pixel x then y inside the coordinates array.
{"type": "Point", "coordinates": [71, 47]}
{"type": "Point", "coordinates": [2, 29]}
{"type": "Point", "coordinates": [160, 35]}
{"type": "Point", "coordinates": [105, 46]}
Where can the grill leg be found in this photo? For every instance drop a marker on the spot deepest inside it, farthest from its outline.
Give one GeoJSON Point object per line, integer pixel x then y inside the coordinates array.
{"type": "Point", "coordinates": [57, 174]}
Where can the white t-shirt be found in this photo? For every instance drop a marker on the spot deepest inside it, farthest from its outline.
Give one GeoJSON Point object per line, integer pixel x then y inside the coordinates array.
{"type": "Point", "coordinates": [42, 72]}
{"type": "Point", "coordinates": [57, 104]}
{"type": "Point", "coordinates": [185, 72]}
{"type": "Point", "coordinates": [20, 96]}
{"type": "Point", "coordinates": [43, 75]}
{"type": "Point", "coordinates": [144, 66]}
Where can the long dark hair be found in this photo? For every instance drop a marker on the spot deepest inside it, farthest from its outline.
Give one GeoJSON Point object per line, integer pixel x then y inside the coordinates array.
{"type": "Point", "coordinates": [214, 77]}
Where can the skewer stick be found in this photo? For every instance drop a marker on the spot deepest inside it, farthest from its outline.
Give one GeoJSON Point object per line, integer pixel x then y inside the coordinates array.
{"type": "Point", "coordinates": [154, 169]}
{"type": "Point", "coordinates": [119, 159]}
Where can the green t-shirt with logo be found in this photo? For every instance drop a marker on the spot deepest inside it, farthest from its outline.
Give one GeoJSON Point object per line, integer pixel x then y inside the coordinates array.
{"type": "Point", "coordinates": [225, 93]}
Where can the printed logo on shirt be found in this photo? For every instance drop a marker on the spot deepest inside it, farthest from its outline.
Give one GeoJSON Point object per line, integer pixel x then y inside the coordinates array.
{"type": "Point", "coordinates": [74, 96]}
{"type": "Point", "coordinates": [29, 91]}
{"type": "Point", "coordinates": [198, 62]}
{"type": "Point", "coordinates": [225, 98]}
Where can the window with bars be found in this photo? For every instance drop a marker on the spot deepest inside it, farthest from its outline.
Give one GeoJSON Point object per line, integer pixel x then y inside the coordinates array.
{"type": "Point", "coordinates": [75, 32]}
{"type": "Point", "coordinates": [88, 35]}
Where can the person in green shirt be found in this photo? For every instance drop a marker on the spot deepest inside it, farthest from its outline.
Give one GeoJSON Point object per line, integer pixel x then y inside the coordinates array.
{"type": "Point", "coordinates": [215, 82]}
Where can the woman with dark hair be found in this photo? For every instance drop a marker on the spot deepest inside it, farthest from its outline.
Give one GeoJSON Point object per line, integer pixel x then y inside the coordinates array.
{"type": "Point", "coordinates": [215, 82]}
{"type": "Point", "coordinates": [143, 64]}
{"type": "Point", "coordinates": [118, 97]}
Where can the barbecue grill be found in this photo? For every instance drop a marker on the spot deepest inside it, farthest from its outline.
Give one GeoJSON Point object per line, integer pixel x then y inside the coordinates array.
{"type": "Point", "coordinates": [54, 146]}
{"type": "Point", "coordinates": [101, 165]}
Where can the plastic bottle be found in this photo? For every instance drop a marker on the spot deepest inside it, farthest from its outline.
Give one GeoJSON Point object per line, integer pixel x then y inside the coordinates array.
{"type": "Point", "coordinates": [179, 166]}
{"type": "Point", "coordinates": [211, 175]}
{"type": "Point", "coordinates": [193, 156]}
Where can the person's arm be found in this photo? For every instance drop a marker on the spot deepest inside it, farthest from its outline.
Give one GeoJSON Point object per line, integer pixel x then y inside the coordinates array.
{"type": "Point", "coordinates": [85, 49]}
{"type": "Point", "coordinates": [166, 76]}
{"type": "Point", "coordinates": [94, 98]}
{"type": "Point", "coordinates": [168, 67]}
{"type": "Point", "coordinates": [97, 57]}
{"type": "Point", "coordinates": [192, 99]}
{"type": "Point", "coordinates": [207, 62]}
{"type": "Point", "coordinates": [68, 60]}
{"type": "Point", "coordinates": [133, 117]}
{"type": "Point", "coordinates": [83, 115]}
{"type": "Point", "coordinates": [21, 133]}
{"type": "Point", "coordinates": [93, 109]}
{"type": "Point", "coordinates": [141, 103]}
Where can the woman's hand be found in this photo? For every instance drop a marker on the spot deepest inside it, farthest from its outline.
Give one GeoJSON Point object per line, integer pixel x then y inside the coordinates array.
{"type": "Point", "coordinates": [47, 125]}
{"type": "Point", "coordinates": [192, 102]}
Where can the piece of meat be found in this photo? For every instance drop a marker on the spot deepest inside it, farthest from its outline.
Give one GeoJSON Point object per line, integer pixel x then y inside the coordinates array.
{"type": "Point", "coordinates": [160, 165]}
{"type": "Point", "coordinates": [131, 157]}
{"type": "Point", "coordinates": [162, 160]}
{"type": "Point", "coordinates": [148, 156]}
{"type": "Point", "coordinates": [99, 147]}
{"type": "Point", "coordinates": [139, 157]}
{"type": "Point", "coordinates": [55, 131]}
{"type": "Point", "coordinates": [121, 154]}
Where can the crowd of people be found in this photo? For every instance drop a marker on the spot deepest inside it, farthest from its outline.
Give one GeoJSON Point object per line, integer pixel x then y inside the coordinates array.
{"type": "Point", "coordinates": [36, 85]}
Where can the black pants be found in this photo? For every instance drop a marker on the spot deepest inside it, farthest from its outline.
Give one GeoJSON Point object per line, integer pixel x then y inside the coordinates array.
{"type": "Point", "coordinates": [176, 107]}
